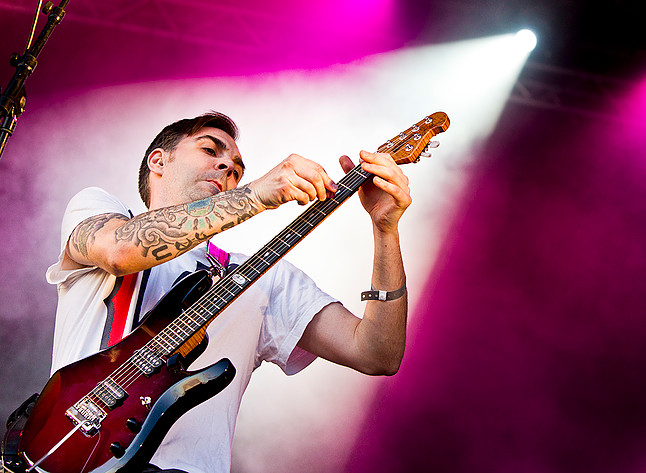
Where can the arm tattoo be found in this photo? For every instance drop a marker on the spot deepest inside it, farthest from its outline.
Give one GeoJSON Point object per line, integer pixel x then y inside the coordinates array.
{"type": "Point", "coordinates": [185, 226]}
{"type": "Point", "coordinates": [238, 205]}
{"type": "Point", "coordinates": [155, 231]}
{"type": "Point", "coordinates": [84, 233]}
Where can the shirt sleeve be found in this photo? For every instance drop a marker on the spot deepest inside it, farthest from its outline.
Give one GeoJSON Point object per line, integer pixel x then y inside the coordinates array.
{"type": "Point", "coordinates": [87, 203]}
{"type": "Point", "coordinates": [295, 299]}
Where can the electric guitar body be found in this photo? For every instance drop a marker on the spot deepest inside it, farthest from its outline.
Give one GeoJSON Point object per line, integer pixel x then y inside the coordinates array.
{"type": "Point", "coordinates": [153, 402]}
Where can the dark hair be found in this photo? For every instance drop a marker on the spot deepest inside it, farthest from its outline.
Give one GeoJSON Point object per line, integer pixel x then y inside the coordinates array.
{"type": "Point", "coordinates": [170, 136]}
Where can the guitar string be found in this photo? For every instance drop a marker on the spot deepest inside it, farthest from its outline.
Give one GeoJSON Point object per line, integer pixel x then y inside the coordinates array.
{"type": "Point", "coordinates": [134, 371]}
{"type": "Point", "coordinates": [402, 137]}
{"type": "Point", "coordinates": [129, 368]}
{"type": "Point", "coordinates": [176, 326]}
{"type": "Point", "coordinates": [265, 253]}
{"type": "Point", "coordinates": [298, 227]}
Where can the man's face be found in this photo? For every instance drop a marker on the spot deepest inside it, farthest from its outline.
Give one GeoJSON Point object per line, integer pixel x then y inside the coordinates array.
{"type": "Point", "coordinates": [202, 165]}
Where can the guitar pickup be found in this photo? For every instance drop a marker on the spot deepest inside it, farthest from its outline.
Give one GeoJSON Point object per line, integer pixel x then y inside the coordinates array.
{"type": "Point", "coordinates": [146, 361]}
{"type": "Point", "coordinates": [110, 393]}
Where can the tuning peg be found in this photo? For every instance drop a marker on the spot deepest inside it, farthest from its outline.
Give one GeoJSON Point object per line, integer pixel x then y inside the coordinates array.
{"type": "Point", "coordinates": [426, 153]}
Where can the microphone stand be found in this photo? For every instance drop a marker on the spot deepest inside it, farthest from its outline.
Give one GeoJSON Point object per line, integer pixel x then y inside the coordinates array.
{"type": "Point", "coordinates": [13, 100]}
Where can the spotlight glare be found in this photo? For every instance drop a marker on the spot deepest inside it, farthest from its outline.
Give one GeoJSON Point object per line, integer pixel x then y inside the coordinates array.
{"type": "Point", "coordinates": [526, 39]}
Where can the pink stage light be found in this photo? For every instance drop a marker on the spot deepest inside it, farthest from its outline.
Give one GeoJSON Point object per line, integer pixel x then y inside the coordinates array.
{"type": "Point", "coordinates": [345, 30]}
{"type": "Point", "coordinates": [344, 15]}
{"type": "Point", "coordinates": [636, 111]}
{"type": "Point", "coordinates": [630, 126]}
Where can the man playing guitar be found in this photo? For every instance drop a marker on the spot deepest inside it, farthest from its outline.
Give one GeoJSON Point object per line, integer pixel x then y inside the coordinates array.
{"type": "Point", "coordinates": [113, 268]}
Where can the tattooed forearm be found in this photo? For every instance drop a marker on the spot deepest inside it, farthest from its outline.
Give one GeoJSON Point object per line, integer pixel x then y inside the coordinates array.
{"type": "Point", "coordinates": [171, 231]}
{"type": "Point", "coordinates": [83, 235]}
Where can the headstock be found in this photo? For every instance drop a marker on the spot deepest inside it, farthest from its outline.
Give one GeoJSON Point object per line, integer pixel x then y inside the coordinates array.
{"type": "Point", "coordinates": [409, 145]}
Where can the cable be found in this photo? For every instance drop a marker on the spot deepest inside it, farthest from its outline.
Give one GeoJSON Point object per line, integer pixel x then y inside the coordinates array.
{"type": "Point", "coordinates": [33, 26]}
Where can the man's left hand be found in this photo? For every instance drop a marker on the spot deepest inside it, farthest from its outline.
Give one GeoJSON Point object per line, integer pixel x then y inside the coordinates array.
{"type": "Point", "coordinates": [386, 196]}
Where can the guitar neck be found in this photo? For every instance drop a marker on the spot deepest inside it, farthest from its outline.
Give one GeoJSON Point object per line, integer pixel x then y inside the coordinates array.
{"type": "Point", "coordinates": [227, 289]}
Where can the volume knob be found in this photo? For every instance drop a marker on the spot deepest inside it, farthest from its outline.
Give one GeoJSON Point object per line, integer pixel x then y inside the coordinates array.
{"type": "Point", "coordinates": [134, 425]}
{"type": "Point", "coordinates": [117, 450]}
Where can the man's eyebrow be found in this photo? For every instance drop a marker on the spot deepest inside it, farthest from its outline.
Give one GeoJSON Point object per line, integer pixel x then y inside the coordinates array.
{"type": "Point", "coordinates": [222, 146]}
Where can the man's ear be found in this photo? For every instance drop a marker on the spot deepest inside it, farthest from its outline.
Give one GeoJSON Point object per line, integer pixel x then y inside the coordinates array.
{"type": "Point", "coordinates": [156, 161]}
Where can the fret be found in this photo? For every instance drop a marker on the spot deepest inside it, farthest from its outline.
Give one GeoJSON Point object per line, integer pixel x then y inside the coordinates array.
{"type": "Point", "coordinates": [196, 319]}
{"type": "Point", "coordinates": [276, 244]}
{"type": "Point", "coordinates": [157, 350]}
{"type": "Point", "coordinates": [278, 238]}
{"type": "Point", "coordinates": [154, 346]}
{"type": "Point", "coordinates": [182, 331]}
{"type": "Point", "coordinates": [255, 270]}
{"type": "Point", "coordinates": [162, 336]}
{"type": "Point", "coordinates": [163, 344]}
{"type": "Point", "coordinates": [204, 314]}
{"type": "Point", "coordinates": [206, 310]}
{"type": "Point", "coordinates": [174, 337]}
{"type": "Point", "coordinates": [179, 321]}
{"type": "Point", "coordinates": [193, 318]}
{"type": "Point", "coordinates": [185, 319]}
{"type": "Point", "coordinates": [200, 315]}
{"type": "Point", "coordinates": [274, 252]}
{"type": "Point", "coordinates": [298, 234]}
{"type": "Point", "coordinates": [227, 290]}
{"type": "Point", "coordinates": [188, 315]}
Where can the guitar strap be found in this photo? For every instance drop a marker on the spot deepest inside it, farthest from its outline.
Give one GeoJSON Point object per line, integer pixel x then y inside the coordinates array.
{"type": "Point", "coordinates": [119, 305]}
{"type": "Point", "coordinates": [123, 305]}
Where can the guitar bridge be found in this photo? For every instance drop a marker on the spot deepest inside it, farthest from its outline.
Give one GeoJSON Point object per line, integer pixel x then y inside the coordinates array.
{"type": "Point", "coordinates": [87, 413]}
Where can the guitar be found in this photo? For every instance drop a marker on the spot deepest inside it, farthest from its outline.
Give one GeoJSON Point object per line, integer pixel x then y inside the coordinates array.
{"type": "Point", "coordinates": [109, 412]}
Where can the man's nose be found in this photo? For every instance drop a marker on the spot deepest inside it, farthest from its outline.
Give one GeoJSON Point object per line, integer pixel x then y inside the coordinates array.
{"type": "Point", "coordinates": [226, 165]}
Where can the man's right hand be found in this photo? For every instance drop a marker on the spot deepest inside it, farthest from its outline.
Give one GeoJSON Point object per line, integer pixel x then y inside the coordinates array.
{"type": "Point", "coordinates": [296, 178]}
